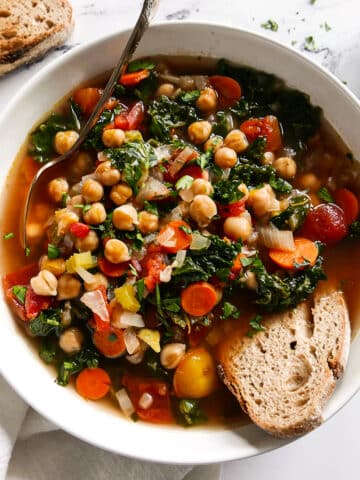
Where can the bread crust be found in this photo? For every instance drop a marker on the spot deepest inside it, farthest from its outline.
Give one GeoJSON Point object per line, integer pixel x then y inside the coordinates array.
{"type": "Point", "coordinates": [325, 359]}
{"type": "Point", "coordinates": [21, 42]}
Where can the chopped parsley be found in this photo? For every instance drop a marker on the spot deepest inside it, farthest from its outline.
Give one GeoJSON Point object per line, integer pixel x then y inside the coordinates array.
{"type": "Point", "coordinates": [270, 25]}
{"type": "Point", "coordinates": [309, 44]}
{"type": "Point", "coordinates": [229, 311]}
{"type": "Point", "coordinates": [8, 235]}
{"type": "Point", "coordinates": [53, 251]}
{"type": "Point", "coordinates": [256, 327]}
{"type": "Point", "coordinates": [325, 195]}
{"type": "Point", "coordinates": [20, 293]}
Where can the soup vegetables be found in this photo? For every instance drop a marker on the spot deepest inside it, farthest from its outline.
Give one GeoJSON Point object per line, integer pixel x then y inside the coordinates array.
{"type": "Point", "coordinates": [183, 209]}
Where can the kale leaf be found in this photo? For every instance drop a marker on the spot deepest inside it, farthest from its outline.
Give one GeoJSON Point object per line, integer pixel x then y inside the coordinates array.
{"type": "Point", "coordinates": [215, 260]}
{"type": "Point", "coordinates": [167, 114]}
{"type": "Point", "coordinates": [300, 120]}
{"type": "Point", "coordinates": [226, 192]}
{"type": "Point", "coordinates": [294, 216]}
{"type": "Point", "coordinates": [275, 293]}
{"type": "Point", "coordinates": [86, 358]}
{"type": "Point", "coordinates": [190, 413]}
{"type": "Point", "coordinates": [221, 126]}
{"type": "Point", "coordinates": [354, 230]}
{"type": "Point", "coordinates": [94, 137]}
{"type": "Point", "coordinates": [42, 138]}
{"type": "Point", "coordinates": [255, 150]}
{"type": "Point", "coordinates": [48, 321]}
{"type": "Point", "coordinates": [133, 159]}
{"type": "Point", "coordinates": [256, 175]}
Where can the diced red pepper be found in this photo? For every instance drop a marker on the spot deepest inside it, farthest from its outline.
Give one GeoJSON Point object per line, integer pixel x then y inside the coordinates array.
{"type": "Point", "coordinates": [21, 277]}
{"type": "Point", "coordinates": [160, 409]}
{"type": "Point", "coordinates": [193, 171]}
{"type": "Point", "coordinates": [34, 303]}
{"type": "Point", "coordinates": [267, 127]}
{"type": "Point", "coordinates": [231, 209]}
{"type": "Point", "coordinates": [131, 119]}
{"type": "Point", "coordinates": [79, 230]}
{"type": "Point", "coordinates": [181, 240]}
{"type": "Point", "coordinates": [134, 78]}
{"type": "Point", "coordinates": [152, 264]}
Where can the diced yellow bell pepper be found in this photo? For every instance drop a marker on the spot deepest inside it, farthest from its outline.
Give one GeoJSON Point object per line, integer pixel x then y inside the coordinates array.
{"type": "Point", "coordinates": [126, 296]}
{"type": "Point", "coordinates": [151, 338]}
{"type": "Point", "coordinates": [133, 136]}
{"type": "Point", "coordinates": [84, 260]}
{"type": "Point", "coordinates": [53, 265]}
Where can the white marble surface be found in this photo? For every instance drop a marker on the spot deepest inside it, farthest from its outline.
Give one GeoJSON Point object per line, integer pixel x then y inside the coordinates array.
{"type": "Point", "coordinates": [331, 451]}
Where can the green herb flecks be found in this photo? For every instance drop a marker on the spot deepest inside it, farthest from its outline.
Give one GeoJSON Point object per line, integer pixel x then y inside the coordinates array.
{"type": "Point", "coordinates": [294, 216]}
{"type": "Point", "coordinates": [190, 412]}
{"type": "Point", "coordinates": [48, 321]}
{"type": "Point", "coordinates": [19, 292]}
{"type": "Point", "coordinates": [9, 235]}
{"type": "Point", "coordinates": [255, 324]}
{"type": "Point", "coordinates": [86, 358]}
{"type": "Point", "coordinates": [229, 311]}
{"type": "Point", "coordinates": [53, 251]}
{"type": "Point", "coordinates": [270, 25]}
{"type": "Point", "coordinates": [42, 138]}
{"type": "Point", "coordinates": [325, 195]}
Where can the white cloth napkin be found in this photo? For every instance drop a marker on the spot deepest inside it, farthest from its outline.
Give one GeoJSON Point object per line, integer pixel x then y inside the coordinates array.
{"type": "Point", "coordinates": [32, 448]}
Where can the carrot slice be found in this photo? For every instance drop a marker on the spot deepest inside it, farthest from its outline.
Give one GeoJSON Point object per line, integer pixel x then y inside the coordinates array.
{"type": "Point", "coordinates": [134, 78]}
{"type": "Point", "coordinates": [305, 254]}
{"type": "Point", "coordinates": [349, 203]}
{"type": "Point", "coordinates": [174, 237]}
{"type": "Point", "coordinates": [93, 383]}
{"type": "Point", "coordinates": [110, 342]}
{"type": "Point", "coordinates": [198, 299]}
{"type": "Point", "coordinates": [228, 89]}
{"type": "Point", "coordinates": [113, 270]}
{"type": "Point", "coordinates": [87, 98]}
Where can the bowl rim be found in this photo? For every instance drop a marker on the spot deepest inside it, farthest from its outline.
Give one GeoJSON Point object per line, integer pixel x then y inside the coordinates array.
{"type": "Point", "coordinates": [96, 43]}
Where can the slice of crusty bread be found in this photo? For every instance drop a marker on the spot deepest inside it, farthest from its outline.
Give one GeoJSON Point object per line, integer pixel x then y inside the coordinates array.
{"type": "Point", "coordinates": [283, 376]}
{"type": "Point", "coordinates": [29, 28]}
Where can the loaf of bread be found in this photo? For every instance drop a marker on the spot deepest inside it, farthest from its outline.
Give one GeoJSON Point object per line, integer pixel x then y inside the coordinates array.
{"type": "Point", "coordinates": [29, 28]}
{"type": "Point", "coordinates": [283, 376]}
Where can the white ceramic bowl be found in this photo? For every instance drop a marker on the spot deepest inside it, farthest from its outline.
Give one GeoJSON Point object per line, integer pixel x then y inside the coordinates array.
{"type": "Point", "coordinates": [18, 363]}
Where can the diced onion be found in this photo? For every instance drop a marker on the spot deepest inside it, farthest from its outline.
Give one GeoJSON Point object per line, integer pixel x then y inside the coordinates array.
{"type": "Point", "coordinates": [183, 157]}
{"type": "Point", "coordinates": [145, 401]}
{"type": "Point", "coordinates": [131, 340]}
{"type": "Point", "coordinates": [201, 81]}
{"type": "Point", "coordinates": [175, 214]}
{"type": "Point", "coordinates": [180, 258]}
{"type": "Point", "coordinates": [199, 242]}
{"type": "Point", "coordinates": [95, 302]}
{"type": "Point", "coordinates": [85, 275]}
{"type": "Point", "coordinates": [272, 237]}
{"type": "Point", "coordinates": [136, 358]}
{"type": "Point", "coordinates": [68, 241]}
{"type": "Point", "coordinates": [102, 157]}
{"type": "Point", "coordinates": [125, 403]}
{"type": "Point", "coordinates": [149, 238]}
{"type": "Point", "coordinates": [165, 275]}
{"type": "Point", "coordinates": [152, 189]}
{"type": "Point", "coordinates": [167, 238]}
{"type": "Point", "coordinates": [166, 77]}
{"type": "Point", "coordinates": [130, 319]}
{"type": "Point", "coordinates": [163, 152]}
{"type": "Point", "coordinates": [186, 194]}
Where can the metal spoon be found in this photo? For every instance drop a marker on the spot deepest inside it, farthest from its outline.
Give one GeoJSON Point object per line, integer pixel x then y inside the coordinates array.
{"type": "Point", "coordinates": [147, 13]}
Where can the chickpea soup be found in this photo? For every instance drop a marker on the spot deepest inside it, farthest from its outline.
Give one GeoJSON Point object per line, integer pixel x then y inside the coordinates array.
{"type": "Point", "coordinates": [205, 197]}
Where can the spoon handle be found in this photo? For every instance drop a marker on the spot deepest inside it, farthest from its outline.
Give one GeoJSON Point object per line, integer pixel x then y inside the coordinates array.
{"type": "Point", "coordinates": [147, 13]}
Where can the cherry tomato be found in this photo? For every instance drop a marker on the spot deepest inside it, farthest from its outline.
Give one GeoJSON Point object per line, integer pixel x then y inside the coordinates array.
{"type": "Point", "coordinates": [326, 223]}
{"type": "Point", "coordinates": [267, 127]}
{"type": "Point", "coordinates": [349, 203]}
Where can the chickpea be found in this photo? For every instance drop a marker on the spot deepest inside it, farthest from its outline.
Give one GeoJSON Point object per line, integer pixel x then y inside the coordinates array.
{"type": "Point", "coordinates": [285, 167]}
{"type": "Point", "coordinates": [201, 187]}
{"type": "Point", "coordinates": [68, 287]}
{"type": "Point", "coordinates": [113, 137]}
{"type": "Point", "coordinates": [99, 280]}
{"type": "Point", "coordinates": [107, 175]}
{"type": "Point", "coordinates": [250, 280]}
{"type": "Point", "coordinates": [237, 228]}
{"type": "Point", "coordinates": [225, 157]}
{"type": "Point", "coordinates": [199, 132]}
{"type": "Point", "coordinates": [202, 210]}
{"type": "Point", "coordinates": [81, 165]}
{"type": "Point", "coordinates": [92, 191]}
{"type": "Point", "coordinates": [219, 294]}
{"type": "Point", "coordinates": [207, 100]}
{"type": "Point", "coordinates": [309, 181]}
{"type": "Point", "coordinates": [45, 283]}
{"type": "Point", "coordinates": [88, 243]}
{"type": "Point", "coordinates": [71, 340]}
{"type": "Point", "coordinates": [96, 214]}
{"type": "Point", "coordinates": [120, 193]}
{"type": "Point", "coordinates": [268, 158]}
{"type": "Point", "coordinates": [64, 219]}
{"type": "Point", "coordinates": [261, 200]}
{"type": "Point", "coordinates": [116, 251]}
{"type": "Point", "coordinates": [54, 265]}
{"type": "Point", "coordinates": [125, 217]}
{"type": "Point", "coordinates": [65, 140]}
{"type": "Point", "coordinates": [172, 354]}
{"type": "Point", "coordinates": [195, 376]}
{"type": "Point", "coordinates": [236, 139]}
{"type": "Point", "coordinates": [148, 222]}
{"type": "Point", "coordinates": [57, 188]}
{"type": "Point", "coordinates": [166, 89]}
{"type": "Point", "coordinates": [213, 143]}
